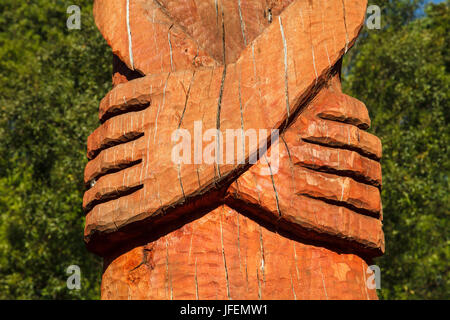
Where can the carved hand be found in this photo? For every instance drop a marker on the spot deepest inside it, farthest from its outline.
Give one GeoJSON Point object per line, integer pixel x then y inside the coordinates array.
{"type": "Point", "coordinates": [272, 74]}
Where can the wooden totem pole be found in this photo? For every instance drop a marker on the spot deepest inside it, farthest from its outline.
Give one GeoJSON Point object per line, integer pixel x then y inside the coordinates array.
{"type": "Point", "coordinates": [182, 204]}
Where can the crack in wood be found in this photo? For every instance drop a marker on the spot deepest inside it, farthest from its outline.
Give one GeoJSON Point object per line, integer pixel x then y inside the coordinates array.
{"type": "Point", "coordinates": [286, 75]}
{"type": "Point", "coordinates": [130, 41]}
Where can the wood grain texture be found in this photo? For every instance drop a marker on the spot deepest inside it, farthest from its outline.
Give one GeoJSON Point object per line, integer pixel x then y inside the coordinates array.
{"type": "Point", "coordinates": [303, 224]}
{"type": "Point", "coordinates": [225, 255]}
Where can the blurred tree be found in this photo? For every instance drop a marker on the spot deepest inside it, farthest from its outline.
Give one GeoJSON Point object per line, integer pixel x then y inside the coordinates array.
{"type": "Point", "coordinates": [402, 73]}
{"type": "Point", "coordinates": [51, 81]}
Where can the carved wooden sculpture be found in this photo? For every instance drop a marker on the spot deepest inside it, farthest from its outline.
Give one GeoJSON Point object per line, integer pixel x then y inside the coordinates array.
{"type": "Point", "coordinates": [302, 222]}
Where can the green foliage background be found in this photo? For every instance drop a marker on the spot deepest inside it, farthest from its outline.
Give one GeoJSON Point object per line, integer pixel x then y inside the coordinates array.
{"type": "Point", "coordinates": [51, 80]}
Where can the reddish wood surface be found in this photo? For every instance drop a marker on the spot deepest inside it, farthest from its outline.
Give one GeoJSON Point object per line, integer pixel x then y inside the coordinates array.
{"type": "Point", "coordinates": [306, 230]}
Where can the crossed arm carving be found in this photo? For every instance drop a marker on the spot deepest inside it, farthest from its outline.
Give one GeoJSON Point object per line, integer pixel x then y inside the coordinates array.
{"type": "Point", "coordinates": [264, 65]}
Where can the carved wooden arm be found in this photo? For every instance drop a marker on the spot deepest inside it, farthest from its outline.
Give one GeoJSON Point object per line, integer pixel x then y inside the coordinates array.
{"type": "Point", "coordinates": [233, 80]}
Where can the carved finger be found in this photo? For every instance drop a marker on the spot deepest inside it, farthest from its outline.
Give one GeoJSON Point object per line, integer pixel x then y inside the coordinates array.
{"type": "Point", "coordinates": [115, 159]}
{"type": "Point", "coordinates": [144, 92]}
{"type": "Point", "coordinates": [334, 134]}
{"type": "Point", "coordinates": [111, 215]}
{"type": "Point", "coordinates": [130, 96]}
{"type": "Point", "coordinates": [336, 161]}
{"type": "Point", "coordinates": [117, 130]}
{"type": "Point", "coordinates": [333, 221]}
{"type": "Point", "coordinates": [341, 107]}
{"type": "Point", "coordinates": [339, 190]}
